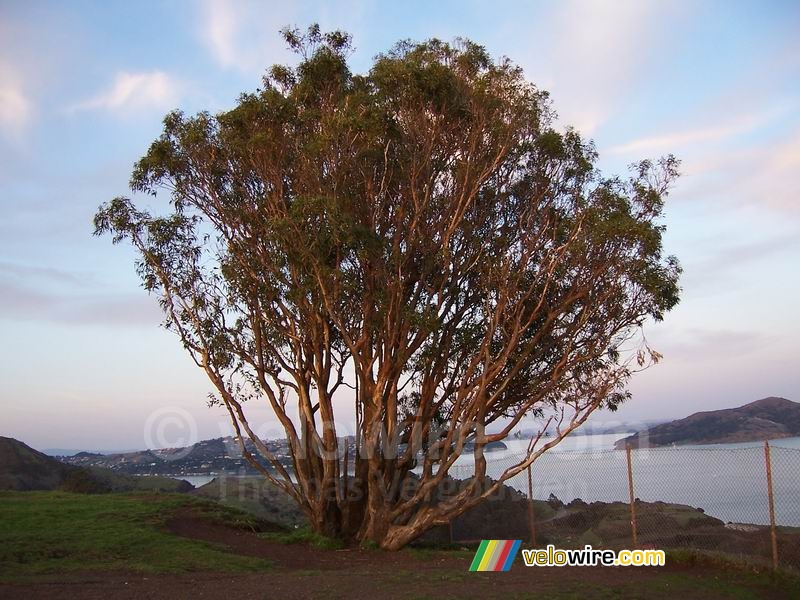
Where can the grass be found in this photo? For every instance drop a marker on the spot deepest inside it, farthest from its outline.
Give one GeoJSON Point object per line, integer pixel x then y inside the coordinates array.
{"type": "Point", "coordinates": [94, 480]}
{"type": "Point", "coordinates": [304, 535]}
{"type": "Point", "coordinates": [48, 532]}
{"type": "Point", "coordinates": [664, 586]}
{"type": "Point", "coordinates": [45, 533]}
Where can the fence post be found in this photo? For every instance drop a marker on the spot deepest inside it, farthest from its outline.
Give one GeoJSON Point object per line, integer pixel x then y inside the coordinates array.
{"type": "Point", "coordinates": [346, 468]}
{"type": "Point", "coordinates": [773, 533]}
{"type": "Point", "coordinates": [531, 516]}
{"type": "Point", "coordinates": [632, 496]}
{"type": "Point", "coordinates": [450, 530]}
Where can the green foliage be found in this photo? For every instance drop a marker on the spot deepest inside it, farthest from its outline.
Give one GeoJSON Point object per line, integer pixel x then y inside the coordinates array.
{"type": "Point", "coordinates": [329, 184]}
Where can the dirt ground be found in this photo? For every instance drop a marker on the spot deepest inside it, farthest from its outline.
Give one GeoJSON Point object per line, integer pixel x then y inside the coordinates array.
{"type": "Point", "coordinates": [301, 571]}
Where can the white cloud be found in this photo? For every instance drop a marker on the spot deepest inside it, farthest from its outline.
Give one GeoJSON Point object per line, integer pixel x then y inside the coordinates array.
{"type": "Point", "coordinates": [15, 108]}
{"type": "Point", "coordinates": [671, 141]}
{"type": "Point", "coordinates": [676, 140]}
{"type": "Point", "coordinates": [222, 22]}
{"type": "Point", "coordinates": [591, 54]}
{"type": "Point", "coordinates": [766, 175]}
{"type": "Point", "coordinates": [135, 91]}
{"type": "Point", "coordinates": [758, 175]}
{"type": "Point", "coordinates": [243, 35]}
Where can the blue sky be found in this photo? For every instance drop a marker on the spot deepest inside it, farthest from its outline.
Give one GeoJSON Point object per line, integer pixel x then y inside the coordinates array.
{"type": "Point", "coordinates": [84, 85]}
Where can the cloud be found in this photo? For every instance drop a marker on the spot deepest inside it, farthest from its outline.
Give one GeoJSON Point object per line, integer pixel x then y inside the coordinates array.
{"type": "Point", "coordinates": [49, 294]}
{"type": "Point", "coordinates": [739, 142]}
{"type": "Point", "coordinates": [242, 35]}
{"type": "Point", "coordinates": [222, 22]}
{"type": "Point", "coordinates": [700, 344]}
{"type": "Point", "coordinates": [717, 274]}
{"type": "Point", "coordinates": [24, 302]}
{"type": "Point", "coordinates": [15, 108]}
{"type": "Point", "coordinates": [135, 91]}
{"type": "Point", "coordinates": [21, 272]}
{"type": "Point", "coordinates": [672, 141]}
{"type": "Point", "coordinates": [591, 55]}
{"type": "Point", "coordinates": [757, 175]}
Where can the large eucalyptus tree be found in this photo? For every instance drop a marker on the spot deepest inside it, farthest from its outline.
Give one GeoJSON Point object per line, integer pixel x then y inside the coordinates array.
{"type": "Point", "coordinates": [417, 241]}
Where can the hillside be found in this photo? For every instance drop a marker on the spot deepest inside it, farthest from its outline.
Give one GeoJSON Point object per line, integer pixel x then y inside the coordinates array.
{"type": "Point", "coordinates": [24, 469]}
{"type": "Point", "coordinates": [765, 419]}
{"type": "Point", "coordinates": [256, 496]}
{"type": "Point", "coordinates": [207, 456]}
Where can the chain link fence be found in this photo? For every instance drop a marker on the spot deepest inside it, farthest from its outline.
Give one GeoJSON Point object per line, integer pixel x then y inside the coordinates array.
{"type": "Point", "coordinates": [717, 500]}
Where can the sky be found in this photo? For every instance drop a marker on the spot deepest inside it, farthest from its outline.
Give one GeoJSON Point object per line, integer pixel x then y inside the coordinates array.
{"type": "Point", "coordinates": [84, 86]}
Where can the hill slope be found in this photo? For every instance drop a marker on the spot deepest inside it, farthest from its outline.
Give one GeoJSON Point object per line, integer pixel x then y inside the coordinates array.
{"type": "Point", "coordinates": [765, 419]}
{"type": "Point", "coordinates": [207, 456]}
{"type": "Point", "coordinates": [22, 468]}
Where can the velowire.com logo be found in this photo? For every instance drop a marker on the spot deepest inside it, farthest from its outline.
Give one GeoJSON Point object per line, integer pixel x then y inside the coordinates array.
{"type": "Point", "coordinates": [495, 555]}
{"type": "Point", "coordinates": [498, 555]}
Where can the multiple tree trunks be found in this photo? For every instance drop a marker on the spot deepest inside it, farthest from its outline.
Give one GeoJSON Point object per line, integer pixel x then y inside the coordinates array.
{"type": "Point", "coordinates": [418, 243]}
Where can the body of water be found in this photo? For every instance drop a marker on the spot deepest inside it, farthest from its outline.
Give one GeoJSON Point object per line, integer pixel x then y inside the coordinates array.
{"type": "Point", "coordinates": [727, 481]}
{"type": "Point", "coordinates": [196, 480]}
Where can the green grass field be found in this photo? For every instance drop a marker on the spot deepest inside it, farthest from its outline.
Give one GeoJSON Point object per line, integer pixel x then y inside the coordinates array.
{"type": "Point", "coordinates": [48, 532]}
{"type": "Point", "coordinates": [91, 542]}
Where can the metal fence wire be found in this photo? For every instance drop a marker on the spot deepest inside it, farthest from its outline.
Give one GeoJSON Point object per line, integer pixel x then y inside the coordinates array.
{"type": "Point", "coordinates": [740, 501]}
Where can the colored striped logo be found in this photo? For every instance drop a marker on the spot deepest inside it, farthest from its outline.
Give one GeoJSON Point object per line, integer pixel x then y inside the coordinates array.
{"type": "Point", "coordinates": [495, 555]}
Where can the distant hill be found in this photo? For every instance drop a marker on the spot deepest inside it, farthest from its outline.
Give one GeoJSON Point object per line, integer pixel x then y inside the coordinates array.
{"type": "Point", "coordinates": [765, 419]}
{"type": "Point", "coordinates": [207, 456]}
{"type": "Point", "coordinates": [24, 469]}
{"type": "Point", "coordinates": [75, 452]}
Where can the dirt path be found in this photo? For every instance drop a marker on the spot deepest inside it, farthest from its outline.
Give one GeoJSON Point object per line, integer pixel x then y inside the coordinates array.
{"type": "Point", "coordinates": [304, 572]}
{"type": "Point", "coordinates": [302, 557]}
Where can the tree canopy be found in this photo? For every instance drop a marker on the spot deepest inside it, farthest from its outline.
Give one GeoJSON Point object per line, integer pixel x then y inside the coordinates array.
{"type": "Point", "coordinates": [419, 242]}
